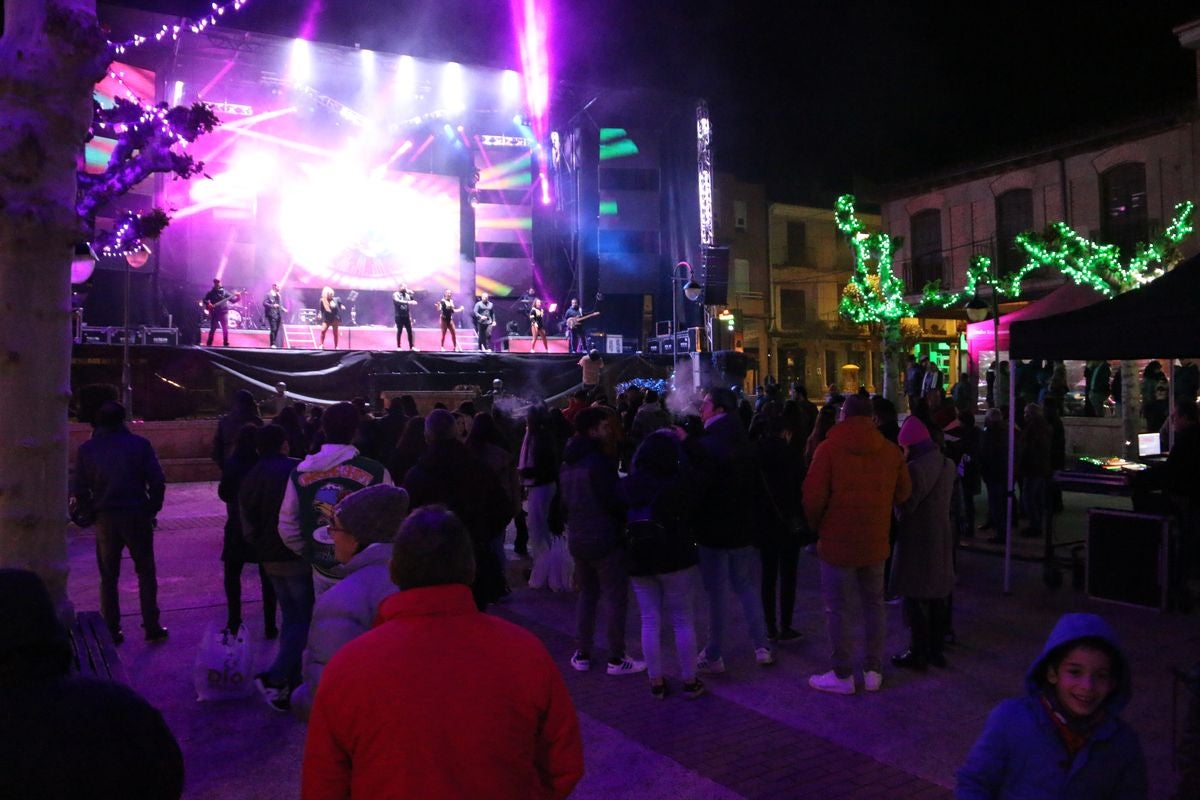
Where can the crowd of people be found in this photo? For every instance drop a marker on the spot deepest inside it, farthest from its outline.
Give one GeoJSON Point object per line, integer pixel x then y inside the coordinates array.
{"type": "Point", "coordinates": [381, 539]}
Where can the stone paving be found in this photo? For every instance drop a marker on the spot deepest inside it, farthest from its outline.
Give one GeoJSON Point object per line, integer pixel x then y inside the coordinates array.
{"type": "Point", "coordinates": [760, 732]}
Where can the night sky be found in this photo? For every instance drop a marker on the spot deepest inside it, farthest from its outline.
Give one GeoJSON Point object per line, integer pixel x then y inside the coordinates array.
{"type": "Point", "coordinates": [811, 96]}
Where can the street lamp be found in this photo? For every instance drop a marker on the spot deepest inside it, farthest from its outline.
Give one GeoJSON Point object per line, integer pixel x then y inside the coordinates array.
{"type": "Point", "coordinates": [136, 259]}
{"type": "Point", "coordinates": [691, 292]}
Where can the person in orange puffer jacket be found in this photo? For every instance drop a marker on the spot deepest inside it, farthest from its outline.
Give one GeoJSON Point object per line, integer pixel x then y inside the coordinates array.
{"type": "Point", "coordinates": [855, 480]}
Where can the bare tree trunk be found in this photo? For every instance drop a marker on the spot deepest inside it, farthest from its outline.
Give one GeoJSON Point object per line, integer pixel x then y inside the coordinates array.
{"type": "Point", "coordinates": [1131, 404]}
{"type": "Point", "coordinates": [891, 352]}
{"type": "Point", "coordinates": [51, 54]}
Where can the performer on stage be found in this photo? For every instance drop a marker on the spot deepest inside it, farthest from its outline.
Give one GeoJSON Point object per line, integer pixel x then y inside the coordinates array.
{"type": "Point", "coordinates": [446, 312]}
{"type": "Point", "coordinates": [274, 311]}
{"type": "Point", "coordinates": [403, 301]}
{"type": "Point", "coordinates": [331, 315]}
{"type": "Point", "coordinates": [537, 325]}
{"type": "Point", "coordinates": [216, 302]}
{"type": "Point", "coordinates": [574, 329]}
{"type": "Point", "coordinates": [525, 303]}
{"type": "Point", "coordinates": [485, 319]}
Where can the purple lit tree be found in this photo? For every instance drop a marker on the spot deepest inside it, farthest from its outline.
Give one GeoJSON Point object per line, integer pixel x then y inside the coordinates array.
{"type": "Point", "coordinates": [52, 53]}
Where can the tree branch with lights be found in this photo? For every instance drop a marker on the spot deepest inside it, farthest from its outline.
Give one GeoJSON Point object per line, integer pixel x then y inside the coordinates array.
{"type": "Point", "coordinates": [1099, 265]}
{"type": "Point", "coordinates": [146, 141]}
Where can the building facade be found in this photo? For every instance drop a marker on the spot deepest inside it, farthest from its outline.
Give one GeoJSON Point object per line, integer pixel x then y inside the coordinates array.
{"type": "Point", "coordinates": [810, 265]}
{"type": "Point", "coordinates": [740, 223]}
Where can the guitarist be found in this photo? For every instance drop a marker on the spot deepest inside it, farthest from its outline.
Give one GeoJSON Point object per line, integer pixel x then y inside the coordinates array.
{"type": "Point", "coordinates": [484, 315]}
{"type": "Point", "coordinates": [216, 303]}
{"type": "Point", "coordinates": [571, 318]}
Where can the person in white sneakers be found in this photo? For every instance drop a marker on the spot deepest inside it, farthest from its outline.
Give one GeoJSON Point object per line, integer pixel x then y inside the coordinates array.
{"type": "Point", "coordinates": [852, 517]}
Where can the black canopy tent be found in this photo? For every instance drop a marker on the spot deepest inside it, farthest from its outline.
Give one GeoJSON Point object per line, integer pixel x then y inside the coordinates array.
{"type": "Point", "coordinates": [1158, 320]}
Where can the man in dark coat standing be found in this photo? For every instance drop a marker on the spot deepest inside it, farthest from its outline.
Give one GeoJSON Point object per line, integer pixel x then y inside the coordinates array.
{"type": "Point", "coordinates": [259, 501]}
{"type": "Point", "coordinates": [450, 474]}
{"type": "Point", "coordinates": [117, 475]}
{"type": "Point", "coordinates": [724, 457]}
{"type": "Point", "coordinates": [273, 310]}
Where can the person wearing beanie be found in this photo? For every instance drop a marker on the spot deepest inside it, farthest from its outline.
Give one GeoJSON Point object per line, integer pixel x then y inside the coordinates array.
{"type": "Point", "coordinates": [64, 735]}
{"type": "Point", "coordinates": [364, 524]}
{"type": "Point", "coordinates": [438, 700]}
{"type": "Point", "coordinates": [923, 559]}
{"type": "Point", "coordinates": [315, 487]}
{"type": "Point", "coordinates": [852, 517]}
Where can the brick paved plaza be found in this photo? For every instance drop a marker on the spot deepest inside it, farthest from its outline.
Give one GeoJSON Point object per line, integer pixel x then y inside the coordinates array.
{"type": "Point", "coordinates": [760, 732]}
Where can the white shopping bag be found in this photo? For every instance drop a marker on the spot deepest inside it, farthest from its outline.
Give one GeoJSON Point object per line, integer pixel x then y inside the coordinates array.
{"type": "Point", "coordinates": [223, 665]}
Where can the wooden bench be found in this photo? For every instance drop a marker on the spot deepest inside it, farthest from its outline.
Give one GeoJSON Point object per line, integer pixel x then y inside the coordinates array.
{"type": "Point", "coordinates": [95, 655]}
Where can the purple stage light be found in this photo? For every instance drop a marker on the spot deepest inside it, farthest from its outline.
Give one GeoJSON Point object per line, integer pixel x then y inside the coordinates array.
{"type": "Point", "coordinates": [531, 18]}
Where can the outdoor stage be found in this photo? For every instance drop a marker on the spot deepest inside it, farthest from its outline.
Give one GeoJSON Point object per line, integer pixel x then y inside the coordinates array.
{"type": "Point", "coordinates": [376, 337]}
{"type": "Point", "coordinates": [188, 381]}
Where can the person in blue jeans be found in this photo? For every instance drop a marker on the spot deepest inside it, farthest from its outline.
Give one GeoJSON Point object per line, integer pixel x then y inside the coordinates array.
{"type": "Point", "coordinates": [661, 555]}
{"type": "Point", "coordinates": [730, 483]}
{"type": "Point", "coordinates": [588, 484]}
{"type": "Point", "coordinates": [259, 499]}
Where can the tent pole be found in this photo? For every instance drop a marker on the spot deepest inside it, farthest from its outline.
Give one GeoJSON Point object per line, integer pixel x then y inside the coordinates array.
{"type": "Point", "coordinates": [1008, 494]}
{"type": "Point", "coordinates": [1171, 407]}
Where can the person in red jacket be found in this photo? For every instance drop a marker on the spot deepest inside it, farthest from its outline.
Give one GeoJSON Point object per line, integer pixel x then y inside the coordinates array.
{"type": "Point", "coordinates": [439, 700]}
{"type": "Point", "coordinates": [855, 479]}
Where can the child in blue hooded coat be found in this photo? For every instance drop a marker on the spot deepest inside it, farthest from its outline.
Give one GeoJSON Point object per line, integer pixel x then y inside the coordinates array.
{"type": "Point", "coordinates": [1063, 740]}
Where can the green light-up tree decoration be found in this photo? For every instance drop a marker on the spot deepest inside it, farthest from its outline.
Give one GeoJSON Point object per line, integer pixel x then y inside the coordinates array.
{"type": "Point", "coordinates": [1099, 265]}
{"type": "Point", "coordinates": [875, 294]}
{"type": "Point", "coordinates": [979, 273]}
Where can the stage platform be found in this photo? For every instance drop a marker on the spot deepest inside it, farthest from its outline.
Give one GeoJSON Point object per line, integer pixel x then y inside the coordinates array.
{"type": "Point", "coordinates": [376, 337]}
{"type": "Point", "coordinates": [189, 381]}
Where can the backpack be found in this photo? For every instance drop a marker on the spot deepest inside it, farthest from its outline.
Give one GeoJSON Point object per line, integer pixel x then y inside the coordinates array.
{"type": "Point", "coordinates": [645, 536]}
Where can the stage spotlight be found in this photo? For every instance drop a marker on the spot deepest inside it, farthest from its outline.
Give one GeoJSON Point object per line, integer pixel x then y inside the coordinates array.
{"type": "Point", "coordinates": [510, 88]}
{"type": "Point", "coordinates": [177, 95]}
{"type": "Point", "coordinates": [368, 65]}
{"type": "Point", "coordinates": [300, 65]}
{"type": "Point", "coordinates": [406, 78]}
{"type": "Point", "coordinates": [454, 89]}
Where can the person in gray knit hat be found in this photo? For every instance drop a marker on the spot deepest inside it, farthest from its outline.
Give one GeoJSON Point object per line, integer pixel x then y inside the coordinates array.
{"type": "Point", "coordinates": [364, 524]}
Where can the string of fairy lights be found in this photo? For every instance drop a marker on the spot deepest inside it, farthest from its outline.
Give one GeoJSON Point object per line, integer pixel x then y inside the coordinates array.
{"type": "Point", "coordinates": [173, 31]}
{"type": "Point", "coordinates": [875, 294]}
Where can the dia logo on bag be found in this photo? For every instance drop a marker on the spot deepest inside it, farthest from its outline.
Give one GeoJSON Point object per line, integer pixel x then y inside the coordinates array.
{"type": "Point", "coordinates": [222, 670]}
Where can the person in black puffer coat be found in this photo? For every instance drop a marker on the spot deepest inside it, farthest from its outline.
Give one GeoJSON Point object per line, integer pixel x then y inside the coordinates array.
{"type": "Point", "coordinates": [661, 554]}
